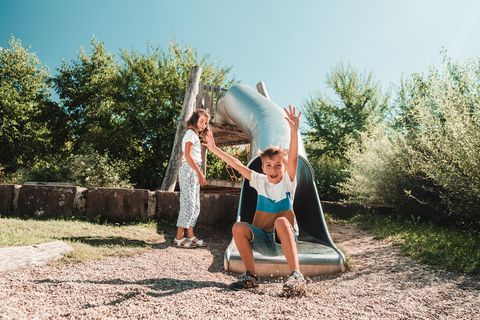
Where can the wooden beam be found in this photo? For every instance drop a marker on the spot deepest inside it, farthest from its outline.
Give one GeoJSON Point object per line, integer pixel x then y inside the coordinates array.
{"type": "Point", "coordinates": [262, 89]}
{"type": "Point", "coordinates": [171, 174]}
{"type": "Point", "coordinates": [204, 160]}
{"type": "Point", "coordinates": [200, 102]}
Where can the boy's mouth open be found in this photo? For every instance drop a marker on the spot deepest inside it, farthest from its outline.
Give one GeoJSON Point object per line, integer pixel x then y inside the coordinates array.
{"type": "Point", "coordinates": [274, 176]}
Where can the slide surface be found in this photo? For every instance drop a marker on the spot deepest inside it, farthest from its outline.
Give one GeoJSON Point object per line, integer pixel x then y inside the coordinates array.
{"type": "Point", "coordinates": [264, 123]}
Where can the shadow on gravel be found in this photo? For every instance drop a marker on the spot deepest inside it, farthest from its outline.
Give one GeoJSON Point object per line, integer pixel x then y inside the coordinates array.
{"type": "Point", "coordinates": [158, 287]}
{"type": "Point", "coordinates": [111, 241]}
{"type": "Point", "coordinates": [217, 238]}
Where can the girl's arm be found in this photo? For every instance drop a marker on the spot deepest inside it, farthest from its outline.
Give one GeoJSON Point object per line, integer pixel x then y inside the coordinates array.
{"type": "Point", "coordinates": [188, 156]}
{"type": "Point", "coordinates": [294, 123]}
{"type": "Point", "coordinates": [230, 160]}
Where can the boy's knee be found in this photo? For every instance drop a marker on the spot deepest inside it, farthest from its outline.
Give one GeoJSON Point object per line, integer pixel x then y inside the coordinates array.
{"type": "Point", "coordinates": [282, 223]}
{"type": "Point", "coordinates": [241, 229]}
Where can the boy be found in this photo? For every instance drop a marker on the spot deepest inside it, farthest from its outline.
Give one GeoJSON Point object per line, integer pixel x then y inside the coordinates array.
{"type": "Point", "coordinates": [273, 228]}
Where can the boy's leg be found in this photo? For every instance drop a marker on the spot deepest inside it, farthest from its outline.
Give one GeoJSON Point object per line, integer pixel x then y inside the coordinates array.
{"type": "Point", "coordinates": [242, 235]}
{"type": "Point", "coordinates": [283, 230]}
{"type": "Point", "coordinates": [295, 283]}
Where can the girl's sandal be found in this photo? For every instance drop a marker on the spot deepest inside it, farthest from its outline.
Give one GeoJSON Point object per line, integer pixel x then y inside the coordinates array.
{"type": "Point", "coordinates": [197, 242]}
{"type": "Point", "coordinates": [184, 243]}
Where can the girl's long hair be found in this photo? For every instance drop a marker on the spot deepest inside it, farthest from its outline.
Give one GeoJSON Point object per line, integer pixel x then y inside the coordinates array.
{"type": "Point", "coordinates": [192, 123]}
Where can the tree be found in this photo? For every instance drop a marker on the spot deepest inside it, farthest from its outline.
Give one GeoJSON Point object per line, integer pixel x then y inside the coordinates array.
{"type": "Point", "coordinates": [129, 109]}
{"type": "Point", "coordinates": [86, 88]}
{"type": "Point", "coordinates": [30, 123]}
{"type": "Point", "coordinates": [336, 124]}
{"type": "Point", "coordinates": [151, 92]}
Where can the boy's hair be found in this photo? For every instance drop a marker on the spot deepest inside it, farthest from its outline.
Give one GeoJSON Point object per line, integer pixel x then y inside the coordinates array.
{"type": "Point", "coordinates": [271, 152]}
{"type": "Point", "coordinates": [192, 122]}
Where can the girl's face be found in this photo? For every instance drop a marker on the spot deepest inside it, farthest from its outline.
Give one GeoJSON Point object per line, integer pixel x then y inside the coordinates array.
{"type": "Point", "coordinates": [202, 123]}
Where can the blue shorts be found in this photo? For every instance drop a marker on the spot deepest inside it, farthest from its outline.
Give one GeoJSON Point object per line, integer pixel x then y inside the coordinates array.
{"type": "Point", "coordinates": [266, 243]}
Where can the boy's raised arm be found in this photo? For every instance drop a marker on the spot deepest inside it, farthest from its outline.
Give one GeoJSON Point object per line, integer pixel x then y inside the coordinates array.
{"type": "Point", "coordinates": [294, 123]}
{"type": "Point", "coordinates": [230, 160]}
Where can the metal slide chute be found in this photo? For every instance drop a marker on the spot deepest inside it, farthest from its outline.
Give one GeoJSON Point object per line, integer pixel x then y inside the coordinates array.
{"type": "Point", "coordinates": [264, 123]}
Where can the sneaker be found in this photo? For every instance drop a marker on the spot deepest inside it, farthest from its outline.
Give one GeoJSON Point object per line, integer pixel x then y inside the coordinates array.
{"type": "Point", "coordinates": [295, 285]}
{"type": "Point", "coordinates": [245, 281]}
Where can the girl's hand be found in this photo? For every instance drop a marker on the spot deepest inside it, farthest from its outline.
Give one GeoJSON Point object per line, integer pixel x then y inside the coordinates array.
{"type": "Point", "coordinates": [210, 141]}
{"type": "Point", "coordinates": [292, 119]}
{"type": "Point", "coordinates": [201, 179]}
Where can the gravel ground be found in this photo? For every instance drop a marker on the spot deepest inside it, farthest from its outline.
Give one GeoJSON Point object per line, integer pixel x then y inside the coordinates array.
{"type": "Point", "coordinates": [171, 283]}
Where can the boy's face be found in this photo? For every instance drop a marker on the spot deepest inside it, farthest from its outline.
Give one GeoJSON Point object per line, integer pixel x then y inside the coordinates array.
{"type": "Point", "coordinates": [274, 168]}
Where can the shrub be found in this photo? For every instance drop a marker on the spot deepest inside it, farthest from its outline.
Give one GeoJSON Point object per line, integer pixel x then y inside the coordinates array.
{"type": "Point", "coordinates": [88, 169]}
{"type": "Point", "coordinates": [427, 160]}
{"type": "Point", "coordinates": [96, 170]}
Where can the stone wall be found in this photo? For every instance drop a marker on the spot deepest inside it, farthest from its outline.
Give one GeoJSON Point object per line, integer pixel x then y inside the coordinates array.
{"type": "Point", "coordinates": [125, 205]}
{"type": "Point", "coordinates": [109, 204]}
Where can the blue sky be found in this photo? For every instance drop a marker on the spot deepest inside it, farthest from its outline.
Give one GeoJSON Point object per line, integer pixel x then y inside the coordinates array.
{"type": "Point", "coordinates": [291, 45]}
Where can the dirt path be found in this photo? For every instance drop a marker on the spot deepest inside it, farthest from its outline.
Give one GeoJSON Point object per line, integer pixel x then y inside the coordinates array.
{"type": "Point", "coordinates": [170, 283]}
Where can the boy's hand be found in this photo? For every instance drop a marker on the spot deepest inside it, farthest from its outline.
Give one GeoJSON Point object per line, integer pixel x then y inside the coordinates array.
{"type": "Point", "coordinates": [292, 119]}
{"type": "Point", "coordinates": [210, 141]}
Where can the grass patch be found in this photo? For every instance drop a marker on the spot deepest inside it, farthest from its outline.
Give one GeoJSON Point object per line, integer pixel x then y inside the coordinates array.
{"type": "Point", "coordinates": [444, 247]}
{"type": "Point", "coordinates": [90, 241]}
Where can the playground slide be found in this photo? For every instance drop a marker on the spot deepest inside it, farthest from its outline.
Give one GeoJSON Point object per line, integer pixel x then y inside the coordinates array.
{"type": "Point", "coordinates": [264, 123]}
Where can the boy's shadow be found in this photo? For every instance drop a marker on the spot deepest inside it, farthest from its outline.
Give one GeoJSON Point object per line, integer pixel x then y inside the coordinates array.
{"type": "Point", "coordinates": [158, 287]}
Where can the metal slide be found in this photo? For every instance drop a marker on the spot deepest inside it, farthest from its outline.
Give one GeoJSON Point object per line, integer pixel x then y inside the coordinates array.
{"type": "Point", "coordinates": [264, 123]}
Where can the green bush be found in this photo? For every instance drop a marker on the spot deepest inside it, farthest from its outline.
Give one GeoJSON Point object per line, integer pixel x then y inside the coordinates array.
{"type": "Point", "coordinates": [89, 169]}
{"type": "Point", "coordinates": [427, 160]}
{"type": "Point", "coordinates": [96, 170]}
{"type": "Point", "coordinates": [375, 173]}
{"type": "Point", "coordinates": [329, 173]}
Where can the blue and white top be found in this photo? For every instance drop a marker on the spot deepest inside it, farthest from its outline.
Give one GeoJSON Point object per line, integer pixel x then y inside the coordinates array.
{"type": "Point", "coordinates": [274, 200]}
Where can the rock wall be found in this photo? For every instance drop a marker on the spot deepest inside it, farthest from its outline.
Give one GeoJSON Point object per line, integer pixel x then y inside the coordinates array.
{"type": "Point", "coordinates": [109, 204]}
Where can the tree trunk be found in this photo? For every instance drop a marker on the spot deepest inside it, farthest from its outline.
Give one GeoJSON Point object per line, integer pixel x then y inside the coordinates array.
{"type": "Point", "coordinates": [171, 174]}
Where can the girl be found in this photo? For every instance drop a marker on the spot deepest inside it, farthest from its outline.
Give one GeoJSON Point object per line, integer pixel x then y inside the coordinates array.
{"type": "Point", "coordinates": [191, 178]}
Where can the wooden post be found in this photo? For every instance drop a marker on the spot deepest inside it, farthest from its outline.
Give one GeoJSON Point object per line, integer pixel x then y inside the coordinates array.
{"type": "Point", "coordinates": [200, 101]}
{"type": "Point", "coordinates": [204, 160]}
{"type": "Point", "coordinates": [171, 174]}
{"type": "Point", "coordinates": [262, 89]}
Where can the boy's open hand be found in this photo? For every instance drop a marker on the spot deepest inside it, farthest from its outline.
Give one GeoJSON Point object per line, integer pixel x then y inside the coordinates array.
{"type": "Point", "coordinates": [210, 141]}
{"type": "Point", "coordinates": [292, 118]}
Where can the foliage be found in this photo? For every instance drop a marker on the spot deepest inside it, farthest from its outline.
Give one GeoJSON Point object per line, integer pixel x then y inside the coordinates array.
{"type": "Point", "coordinates": [87, 168]}
{"type": "Point", "coordinates": [427, 161]}
{"type": "Point", "coordinates": [31, 125]}
{"type": "Point", "coordinates": [218, 169]}
{"type": "Point", "coordinates": [445, 247]}
{"type": "Point", "coordinates": [91, 169]}
{"type": "Point", "coordinates": [336, 124]}
{"type": "Point", "coordinates": [86, 88]}
{"type": "Point", "coordinates": [152, 93]}
{"type": "Point", "coordinates": [130, 109]}
{"type": "Point", "coordinates": [329, 172]}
